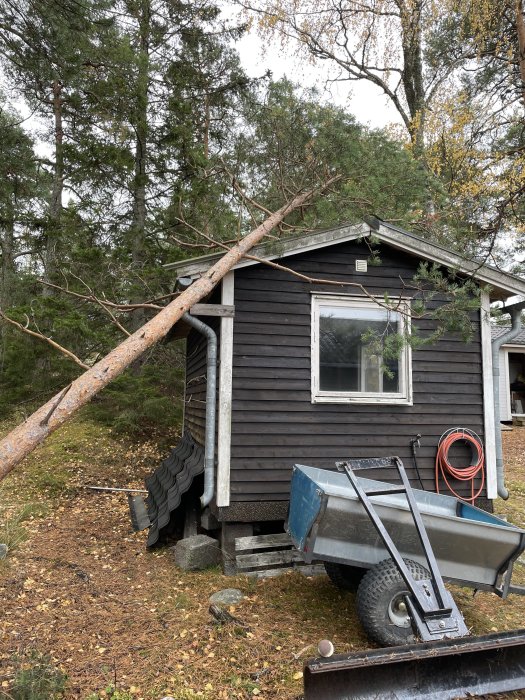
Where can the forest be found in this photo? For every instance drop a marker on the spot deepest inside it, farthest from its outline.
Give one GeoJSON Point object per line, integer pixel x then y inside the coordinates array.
{"type": "Point", "coordinates": [139, 133]}
{"type": "Point", "coordinates": [132, 137]}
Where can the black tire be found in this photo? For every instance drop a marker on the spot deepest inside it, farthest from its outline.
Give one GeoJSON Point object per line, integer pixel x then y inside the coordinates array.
{"type": "Point", "coordinates": [344, 576]}
{"type": "Point", "coordinates": [380, 603]}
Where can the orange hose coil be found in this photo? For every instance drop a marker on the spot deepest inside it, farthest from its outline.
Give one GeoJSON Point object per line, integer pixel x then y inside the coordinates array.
{"type": "Point", "coordinates": [444, 467]}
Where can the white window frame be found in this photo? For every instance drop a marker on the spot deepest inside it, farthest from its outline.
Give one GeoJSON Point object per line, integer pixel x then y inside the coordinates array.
{"type": "Point", "coordinates": [404, 396]}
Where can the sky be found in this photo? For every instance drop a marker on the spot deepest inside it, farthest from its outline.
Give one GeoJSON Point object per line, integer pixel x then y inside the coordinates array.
{"type": "Point", "coordinates": [363, 100]}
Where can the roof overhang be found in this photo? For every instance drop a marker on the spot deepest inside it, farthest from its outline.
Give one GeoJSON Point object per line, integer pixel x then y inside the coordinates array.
{"type": "Point", "coordinates": [502, 284]}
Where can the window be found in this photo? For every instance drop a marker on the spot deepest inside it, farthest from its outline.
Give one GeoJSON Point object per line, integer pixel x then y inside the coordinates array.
{"type": "Point", "coordinates": [346, 364]}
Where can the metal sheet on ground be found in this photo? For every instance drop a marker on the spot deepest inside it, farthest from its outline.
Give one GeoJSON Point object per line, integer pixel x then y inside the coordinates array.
{"type": "Point", "coordinates": [442, 670]}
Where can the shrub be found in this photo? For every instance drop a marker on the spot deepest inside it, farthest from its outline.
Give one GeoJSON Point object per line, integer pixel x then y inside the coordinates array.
{"type": "Point", "coordinates": [36, 678]}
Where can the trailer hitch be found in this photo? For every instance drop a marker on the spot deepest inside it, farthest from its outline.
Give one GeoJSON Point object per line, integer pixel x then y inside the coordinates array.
{"type": "Point", "coordinates": [432, 609]}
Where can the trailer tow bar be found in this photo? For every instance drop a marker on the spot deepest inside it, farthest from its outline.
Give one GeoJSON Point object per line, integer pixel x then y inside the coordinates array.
{"type": "Point", "coordinates": [432, 609]}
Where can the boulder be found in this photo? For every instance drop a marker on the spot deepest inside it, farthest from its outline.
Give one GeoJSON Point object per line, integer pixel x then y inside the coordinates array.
{"type": "Point", "coordinates": [228, 596]}
{"type": "Point", "coordinates": [197, 552]}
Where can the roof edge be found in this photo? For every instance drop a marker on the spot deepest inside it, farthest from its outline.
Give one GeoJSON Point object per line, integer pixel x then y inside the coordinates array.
{"type": "Point", "coordinates": [272, 250]}
{"type": "Point", "coordinates": [503, 282]}
{"type": "Point", "coordinates": [403, 240]}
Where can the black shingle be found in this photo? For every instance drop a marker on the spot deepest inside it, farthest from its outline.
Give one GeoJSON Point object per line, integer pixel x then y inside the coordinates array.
{"type": "Point", "coordinates": [169, 482]}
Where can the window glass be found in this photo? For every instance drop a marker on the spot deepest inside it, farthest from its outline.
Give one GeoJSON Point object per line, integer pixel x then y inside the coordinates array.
{"type": "Point", "coordinates": [346, 360]}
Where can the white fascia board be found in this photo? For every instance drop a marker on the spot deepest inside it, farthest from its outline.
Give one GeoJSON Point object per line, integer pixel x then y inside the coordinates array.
{"type": "Point", "coordinates": [396, 238]}
{"type": "Point", "coordinates": [423, 249]}
{"type": "Point", "coordinates": [276, 249]}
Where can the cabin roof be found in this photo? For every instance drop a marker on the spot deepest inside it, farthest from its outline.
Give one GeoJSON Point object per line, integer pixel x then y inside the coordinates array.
{"type": "Point", "coordinates": [502, 284]}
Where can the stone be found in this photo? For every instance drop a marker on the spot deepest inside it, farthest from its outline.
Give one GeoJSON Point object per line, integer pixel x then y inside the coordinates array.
{"type": "Point", "coordinates": [197, 552]}
{"type": "Point", "coordinates": [3, 551]}
{"type": "Point", "coordinates": [228, 596]}
{"type": "Point", "coordinates": [325, 648]}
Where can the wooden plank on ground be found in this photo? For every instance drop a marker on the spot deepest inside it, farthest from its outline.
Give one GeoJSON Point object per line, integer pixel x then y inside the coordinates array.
{"type": "Point", "coordinates": [306, 570]}
{"type": "Point", "coordinates": [262, 541]}
{"type": "Point", "coordinates": [284, 556]}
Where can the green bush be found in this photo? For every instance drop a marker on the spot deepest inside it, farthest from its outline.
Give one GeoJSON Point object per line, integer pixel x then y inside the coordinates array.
{"type": "Point", "coordinates": [137, 402]}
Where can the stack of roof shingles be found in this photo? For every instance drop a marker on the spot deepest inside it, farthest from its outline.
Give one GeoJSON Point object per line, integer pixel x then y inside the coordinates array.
{"type": "Point", "coordinates": [169, 482]}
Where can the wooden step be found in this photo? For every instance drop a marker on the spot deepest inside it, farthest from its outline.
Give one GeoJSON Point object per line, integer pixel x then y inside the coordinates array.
{"type": "Point", "coordinates": [264, 556]}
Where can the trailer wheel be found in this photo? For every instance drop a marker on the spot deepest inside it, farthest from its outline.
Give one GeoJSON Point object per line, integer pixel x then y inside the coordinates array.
{"type": "Point", "coordinates": [344, 576]}
{"type": "Point", "coordinates": [381, 605]}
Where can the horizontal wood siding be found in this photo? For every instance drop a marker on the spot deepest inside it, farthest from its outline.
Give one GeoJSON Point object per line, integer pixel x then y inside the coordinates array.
{"type": "Point", "coordinates": [195, 395]}
{"type": "Point", "coordinates": [274, 423]}
{"type": "Point", "coordinates": [196, 379]}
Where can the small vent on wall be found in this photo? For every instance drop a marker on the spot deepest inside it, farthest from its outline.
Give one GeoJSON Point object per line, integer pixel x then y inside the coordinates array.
{"type": "Point", "coordinates": [361, 266]}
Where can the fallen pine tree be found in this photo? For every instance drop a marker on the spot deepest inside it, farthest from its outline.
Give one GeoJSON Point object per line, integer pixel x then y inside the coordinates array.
{"type": "Point", "coordinates": [29, 434]}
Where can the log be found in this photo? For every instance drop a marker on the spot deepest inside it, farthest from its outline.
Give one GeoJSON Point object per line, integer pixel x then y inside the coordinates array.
{"type": "Point", "coordinates": [223, 616]}
{"type": "Point", "coordinates": [29, 434]}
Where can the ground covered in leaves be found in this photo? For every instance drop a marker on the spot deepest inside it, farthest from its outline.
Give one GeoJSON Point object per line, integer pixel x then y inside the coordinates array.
{"type": "Point", "coordinates": [84, 602]}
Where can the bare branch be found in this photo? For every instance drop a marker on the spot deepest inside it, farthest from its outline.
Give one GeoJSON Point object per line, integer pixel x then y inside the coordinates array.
{"type": "Point", "coordinates": [45, 338]}
{"type": "Point", "coordinates": [104, 302]}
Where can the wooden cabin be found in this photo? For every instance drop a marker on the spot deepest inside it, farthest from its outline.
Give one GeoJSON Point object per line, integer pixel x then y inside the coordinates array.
{"type": "Point", "coordinates": [297, 385]}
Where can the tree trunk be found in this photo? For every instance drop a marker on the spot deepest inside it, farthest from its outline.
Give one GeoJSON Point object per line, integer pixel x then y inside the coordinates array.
{"type": "Point", "coordinates": [23, 439]}
{"type": "Point", "coordinates": [7, 272]}
{"type": "Point", "coordinates": [412, 76]}
{"type": "Point", "coordinates": [520, 27]}
{"type": "Point", "coordinates": [140, 180]}
{"type": "Point", "coordinates": [55, 205]}
{"type": "Point", "coordinates": [8, 263]}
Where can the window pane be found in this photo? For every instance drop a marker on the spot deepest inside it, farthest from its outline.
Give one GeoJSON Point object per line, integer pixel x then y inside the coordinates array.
{"type": "Point", "coordinates": [346, 363]}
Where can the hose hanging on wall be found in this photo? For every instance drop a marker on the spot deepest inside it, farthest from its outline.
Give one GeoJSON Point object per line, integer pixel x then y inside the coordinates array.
{"type": "Point", "coordinates": [476, 467]}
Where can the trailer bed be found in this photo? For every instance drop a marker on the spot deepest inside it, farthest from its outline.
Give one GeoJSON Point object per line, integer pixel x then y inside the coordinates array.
{"type": "Point", "coordinates": [328, 522]}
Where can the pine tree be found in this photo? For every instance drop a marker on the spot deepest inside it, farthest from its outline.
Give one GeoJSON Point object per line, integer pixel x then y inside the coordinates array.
{"type": "Point", "coordinates": [50, 52]}
{"type": "Point", "coordinates": [19, 200]}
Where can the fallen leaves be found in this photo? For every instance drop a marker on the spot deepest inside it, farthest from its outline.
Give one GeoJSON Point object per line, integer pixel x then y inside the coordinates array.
{"type": "Point", "coordinates": [83, 589]}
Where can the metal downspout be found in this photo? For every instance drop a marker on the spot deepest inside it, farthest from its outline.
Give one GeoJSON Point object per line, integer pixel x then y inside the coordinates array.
{"type": "Point", "coordinates": [211, 391]}
{"type": "Point", "coordinates": [515, 314]}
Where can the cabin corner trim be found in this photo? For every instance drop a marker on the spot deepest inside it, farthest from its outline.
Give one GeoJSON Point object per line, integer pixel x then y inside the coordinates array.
{"type": "Point", "coordinates": [488, 398]}
{"type": "Point", "coordinates": [225, 396]}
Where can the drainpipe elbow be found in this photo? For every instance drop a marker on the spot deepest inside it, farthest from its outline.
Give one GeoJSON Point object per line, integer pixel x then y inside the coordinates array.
{"type": "Point", "coordinates": [503, 492]}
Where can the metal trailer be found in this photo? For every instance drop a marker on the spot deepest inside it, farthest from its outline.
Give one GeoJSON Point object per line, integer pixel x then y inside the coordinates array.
{"type": "Point", "coordinates": [396, 545]}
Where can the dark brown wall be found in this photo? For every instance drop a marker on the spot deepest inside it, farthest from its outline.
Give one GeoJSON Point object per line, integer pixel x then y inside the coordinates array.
{"type": "Point", "coordinates": [274, 423]}
{"type": "Point", "coordinates": [195, 394]}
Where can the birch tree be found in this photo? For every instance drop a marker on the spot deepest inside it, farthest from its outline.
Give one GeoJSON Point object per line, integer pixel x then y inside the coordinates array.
{"type": "Point", "coordinates": [476, 139]}
{"type": "Point", "coordinates": [383, 42]}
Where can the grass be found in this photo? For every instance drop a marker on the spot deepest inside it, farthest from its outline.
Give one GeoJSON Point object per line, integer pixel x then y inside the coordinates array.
{"type": "Point", "coordinates": [35, 677]}
{"type": "Point", "coordinates": [12, 530]}
{"type": "Point", "coordinates": [124, 624]}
